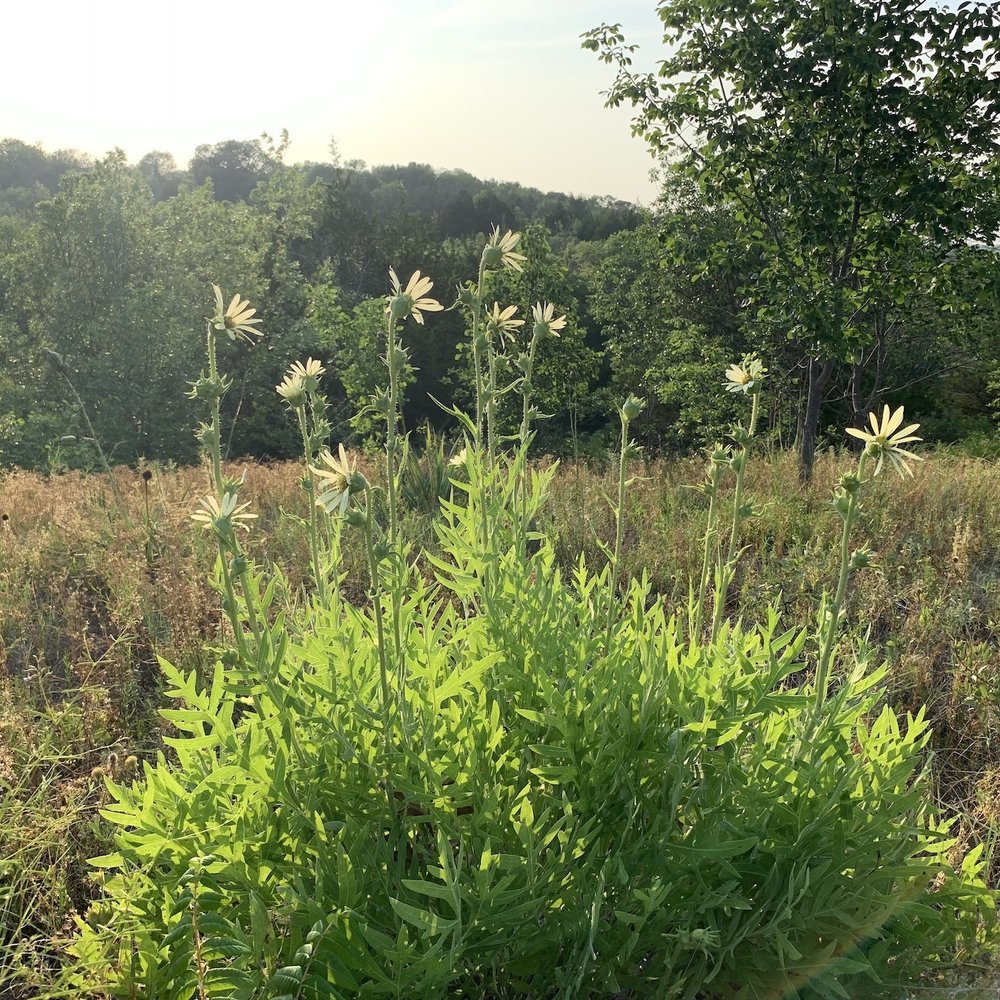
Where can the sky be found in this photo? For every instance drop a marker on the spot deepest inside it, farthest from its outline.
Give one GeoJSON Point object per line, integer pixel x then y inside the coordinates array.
{"type": "Point", "coordinates": [500, 88]}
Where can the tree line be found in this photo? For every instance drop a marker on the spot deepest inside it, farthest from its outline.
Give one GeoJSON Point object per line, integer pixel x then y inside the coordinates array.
{"type": "Point", "coordinates": [848, 235]}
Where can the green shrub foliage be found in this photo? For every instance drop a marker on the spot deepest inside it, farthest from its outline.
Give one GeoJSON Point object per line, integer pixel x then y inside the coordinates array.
{"type": "Point", "coordinates": [551, 813]}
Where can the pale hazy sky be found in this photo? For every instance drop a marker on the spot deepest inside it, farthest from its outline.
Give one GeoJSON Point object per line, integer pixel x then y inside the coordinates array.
{"type": "Point", "coordinates": [500, 88]}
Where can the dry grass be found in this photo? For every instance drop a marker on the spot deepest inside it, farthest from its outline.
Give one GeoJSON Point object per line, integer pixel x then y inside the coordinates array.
{"type": "Point", "coordinates": [91, 593]}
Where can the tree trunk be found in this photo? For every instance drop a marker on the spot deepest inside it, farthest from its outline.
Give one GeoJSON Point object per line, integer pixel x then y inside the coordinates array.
{"type": "Point", "coordinates": [819, 375]}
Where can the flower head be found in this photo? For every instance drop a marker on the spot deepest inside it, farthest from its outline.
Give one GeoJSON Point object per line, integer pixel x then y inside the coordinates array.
{"type": "Point", "coordinates": [501, 322]}
{"type": "Point", "coordinates": [292, 390]}
{"type": "Point", "coordinates": [237, 319]}
{"type": "Point", "coordinates": [311, 371]}
{"type": "Point", "coordinates": [500, 250]}
{"type": "Point", "coordinates": [746, 376]}
{"type": "Point", "coordinates": [410, 301]}
{"type": "Point", "coordinates": [222, 517]}
{"type": "Point", "coordinates": [343, 481]}
{"type": "Point", "coordinates": [547, 324]}
{"type": "Point", "coordinates": [459, 459]}
{"type": "Point", "coordinates": [885, 438]}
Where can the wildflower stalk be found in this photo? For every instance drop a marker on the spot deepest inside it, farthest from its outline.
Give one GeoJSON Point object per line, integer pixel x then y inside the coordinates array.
{"type": "Point", "coordinates": [526, 386]}
{"type": "Point", "coordinates": [395, 358]}
{"type": "Point", "coordinates": [631, 408]}
{"type": "Point", "coordinates": [243, 572]}
{"type": "Point", "coordinates": [620, 506]}
{"type": "Point", "coordinates": [746, 378]}
{"type": "Point", "coordinates": [319, 573]}
{"type": "Point", "coordinates": [846, 504]}
{"type": "Point", "coordinates": [883, 443]}
{"type": "Point", "coordinates": [714, 479]}
{"type": "Point", "coordinates": [377, 611]}
{"type": "Point", "coordinates": [491, 402]}
{"type": "Point", "coordinates": [215, 443]}
{"type": "Point", "coordinates": [231, 606]}
{"type": "Point", "coordinates": [527, 364]}
{"type": "Point", "coordinates": [477, 358]}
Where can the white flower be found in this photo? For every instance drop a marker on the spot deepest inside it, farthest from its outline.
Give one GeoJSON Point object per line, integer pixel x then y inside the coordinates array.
{"type": "Point", "coordinates": [885, 438]}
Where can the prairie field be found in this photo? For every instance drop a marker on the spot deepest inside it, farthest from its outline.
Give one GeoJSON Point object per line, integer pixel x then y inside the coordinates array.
{"type": "Point", "coordinates": [94, 588]}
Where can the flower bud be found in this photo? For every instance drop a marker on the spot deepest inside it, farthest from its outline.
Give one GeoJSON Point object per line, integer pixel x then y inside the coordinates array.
{"type": "Point", "coordinates": [357, 483]}
{"type": "Point", "coordinates": [354, 517]}
{"type": "Point", "coordinates": [720, 455]}
{"type": "Point", "coordinates": [849, 483]}
{"type": "Point", "coordinates": [861, 558]}
{"type": "Point", "coordinates": [632, 407]}
{"type": "Point", "coordinates": [468, 296]}
{"type": "Point", "coordinates": [740, 435]}
{"type": "Point", "coordinates": [207, 437]}
{"type": "Point", "coordinates": [841, 504]}
{"type": "Point", "coordinates": [400, 306]}
{"type": "Point", "coordinates": [492, 255]}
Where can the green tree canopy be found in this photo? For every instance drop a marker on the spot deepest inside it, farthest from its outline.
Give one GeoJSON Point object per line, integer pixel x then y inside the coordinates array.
{"type": "Point", "coordinates": [856, 143]}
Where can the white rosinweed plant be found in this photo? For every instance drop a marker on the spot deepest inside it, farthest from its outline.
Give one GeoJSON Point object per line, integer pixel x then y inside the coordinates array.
{"type": "Point", "coordinates": [500, 779]}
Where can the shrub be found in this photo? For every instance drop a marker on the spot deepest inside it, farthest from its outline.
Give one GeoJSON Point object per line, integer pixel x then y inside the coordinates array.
{"type": "Point", "coordinates": [509, 780]}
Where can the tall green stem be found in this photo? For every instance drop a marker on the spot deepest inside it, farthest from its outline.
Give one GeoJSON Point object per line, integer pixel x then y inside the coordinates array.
{"type": "Point", "coordinates": [216, 449]}
{"type": "Point", "coordinates": [392, 437]}
{"type": "Point", "coordinates": [619, 525]}
{"type": "Point", "coordinates": [377, 611]}
{"type": "Point", "coordinates": [319, 573]}
{"type": "Point", "coordinates": [832, 625]}
{"type": "Point", "coordinates": [711, 534]}
{"type": "Point", "coordinates": [491, 405]}
{"type": "Point", "coordinates": [728, 568]}
{"type": "Point", "coordinates": [477, 314]}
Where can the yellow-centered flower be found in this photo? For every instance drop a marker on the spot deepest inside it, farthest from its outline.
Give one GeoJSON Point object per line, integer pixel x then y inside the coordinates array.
{"type": "Point", "coordinates": [310, 372]}
{"type": "Point", "coordinates": [745, 377]}
{"type": "Point", "coordinates": [500, 250]}
{"type": "Point", "coordinates": [222, 516]}
{"type": "Point", "coordinates": [547, 324]}
{"type": "Point", "coordinates": [885, 438]}
{"type": "Point", "coordinates": [501, 321]}
{"type": "Point", "coordinates": [292, 390]}
{"type": "Point", "coordinates": [412, 300]}
{"type": "Point", "coordinates": [236, 319]}
{"type": "Point", "coordinates": [342, 480]}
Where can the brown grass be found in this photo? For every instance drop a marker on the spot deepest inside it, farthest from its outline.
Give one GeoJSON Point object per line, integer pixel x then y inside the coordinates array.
{"type": "Point", "coordinates": [91, 593]}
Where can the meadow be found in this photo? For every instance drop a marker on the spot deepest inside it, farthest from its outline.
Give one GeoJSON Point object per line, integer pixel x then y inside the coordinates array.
{"type": "Point", "coordinates": [449, 719]}
{"type": "Point", "coordinates": [95, 588]}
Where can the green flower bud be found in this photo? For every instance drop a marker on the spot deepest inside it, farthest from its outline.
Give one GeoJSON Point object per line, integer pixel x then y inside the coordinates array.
{"type": "Point", "coordinates": [861, 559]}
{"type": "Point", "coordinates": [207, 437]}
{"type": "Point", "coordinates": [632, 407]}
{"type": "Point", "coordinates": [398, 358]}
{"type": "Point", "coordinates": [492, 255]}
{"type": "Point", "coordinates": [355, 517]}
{"type": "Point", "coordinates": [740, 435]}
{"type": "Point", "coordinates": [400, 306]}
{"type": "Point", "coordinates": [468, 296]}
{"type": "Point", "coordinates": [841, 504]}
{"type": "Point", "coordinates": [357, 483]}
{"type": "Point", "coordinates": [849, 483]}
